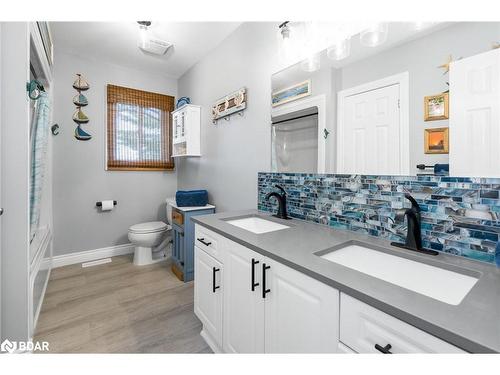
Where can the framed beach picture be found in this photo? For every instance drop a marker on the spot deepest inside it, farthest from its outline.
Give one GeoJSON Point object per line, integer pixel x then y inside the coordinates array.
{"type": "Point", "coordinates": [291, 93]}
{"type": "Point", "coordinates": [436, 107]}
{"type": "Point", "coordinates": [436, 141]}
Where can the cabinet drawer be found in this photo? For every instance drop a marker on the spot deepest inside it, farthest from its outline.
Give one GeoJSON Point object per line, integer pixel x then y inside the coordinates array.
{"type": "Point", "coordinates": [177, 217]}
{"type": "Point", "coordinates": [209, 241]}
{"type": "Point", "coordinates": [362, 327]}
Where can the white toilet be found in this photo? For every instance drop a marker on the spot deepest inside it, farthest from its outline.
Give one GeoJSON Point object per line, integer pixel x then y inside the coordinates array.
{"type": "Point", "coordinates": [150, 240]}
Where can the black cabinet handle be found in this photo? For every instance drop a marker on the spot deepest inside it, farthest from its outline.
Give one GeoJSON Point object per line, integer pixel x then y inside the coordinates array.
{"type": "Point", "coordinates": [202, 240]}
{"type": "Point", "coordinates": [254, 284]}
{"type": "Point", "coordinates": [384, 349]}
{"type": "Point", "coordinates": [264, 290]}
{"type": "Point", "coordinates": [214, 270]}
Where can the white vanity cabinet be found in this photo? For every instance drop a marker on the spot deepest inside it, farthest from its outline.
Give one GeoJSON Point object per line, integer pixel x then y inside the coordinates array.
{"type": "Point", "coordinates": [249, 303]}
{"type": "Point", "coordinates": [186, 131]}
{"type": "Point", "coordinates": [267, 306]}
{"type": "Point", "coordinates": [208, 293]}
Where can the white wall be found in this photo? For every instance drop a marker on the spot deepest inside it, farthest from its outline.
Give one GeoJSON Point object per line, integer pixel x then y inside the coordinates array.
{"type": "Point", "coordinates": [79, 177]}
{"type": "Point", "coordinates": [234, 151]}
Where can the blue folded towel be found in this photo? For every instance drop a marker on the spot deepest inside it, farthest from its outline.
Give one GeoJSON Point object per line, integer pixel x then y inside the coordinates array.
{"type": "Point", "coordinates": [441, 169]}
{"type": "Point", "coordinates": [191, 198]}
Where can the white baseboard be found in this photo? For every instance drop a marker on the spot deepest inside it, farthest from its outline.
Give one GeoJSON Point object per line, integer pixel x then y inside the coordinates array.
{"type": "Point", "coordinates": [90, 255]}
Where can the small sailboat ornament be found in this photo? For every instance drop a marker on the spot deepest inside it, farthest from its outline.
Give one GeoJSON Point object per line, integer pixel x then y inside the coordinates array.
{"type": "Point", "coordinates": [80, 83]}
{"type": "Point", "coordinates": [79, 117]}
{"type": "Point", "coordinates": [81, 134]}
{"type": "Point", "coordinates": [80, 100]}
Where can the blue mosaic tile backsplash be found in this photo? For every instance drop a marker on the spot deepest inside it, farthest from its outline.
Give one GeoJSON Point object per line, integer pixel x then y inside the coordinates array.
{"type": "Point", "coordinates": [460, 216]}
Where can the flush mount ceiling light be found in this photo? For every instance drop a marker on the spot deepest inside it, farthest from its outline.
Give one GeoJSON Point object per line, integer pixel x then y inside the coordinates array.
{"type": "Point", "coordinates": [374, 35]}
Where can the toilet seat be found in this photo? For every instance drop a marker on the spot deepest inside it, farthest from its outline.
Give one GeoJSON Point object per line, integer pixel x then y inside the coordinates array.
{"type": "Point", "coordinates": [149, 227]}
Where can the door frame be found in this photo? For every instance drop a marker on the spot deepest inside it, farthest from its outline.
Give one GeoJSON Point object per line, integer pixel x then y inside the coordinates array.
{"type": "Point", "coordinates": [318, 101]}
{"type": "Point", "coordinates": [401, 79]}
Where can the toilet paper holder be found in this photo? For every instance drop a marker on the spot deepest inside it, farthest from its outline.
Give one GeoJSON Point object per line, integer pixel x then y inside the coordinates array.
{"type": "Point", "coordinates": [99, 204]}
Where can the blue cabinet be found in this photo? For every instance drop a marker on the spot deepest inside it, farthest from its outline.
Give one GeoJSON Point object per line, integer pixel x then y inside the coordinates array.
{"type": "Point", "coordinates": [183, 240]}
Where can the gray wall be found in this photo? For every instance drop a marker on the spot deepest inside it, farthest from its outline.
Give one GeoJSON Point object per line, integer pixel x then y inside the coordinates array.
{"type": "Point", "coordinates": [421, 58]}
{"type": "Point", "coordinates": [233, 151]}
{"type": "Point", "coordinates": [79, 178]}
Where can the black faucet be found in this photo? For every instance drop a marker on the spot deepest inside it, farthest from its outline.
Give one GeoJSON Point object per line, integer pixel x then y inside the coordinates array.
{"type": "Point", "coordinates": [414, 234]}
{"type": "Point", "coordinates": [281, 198]}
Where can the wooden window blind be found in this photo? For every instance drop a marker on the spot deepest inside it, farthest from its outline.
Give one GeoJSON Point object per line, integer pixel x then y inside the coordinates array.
{"type": "Point", "coordinates": [139, 132]}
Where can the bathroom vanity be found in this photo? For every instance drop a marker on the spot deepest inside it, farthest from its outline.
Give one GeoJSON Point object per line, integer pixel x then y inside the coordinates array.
{"type": "Point", "coordinates": [265, 285]}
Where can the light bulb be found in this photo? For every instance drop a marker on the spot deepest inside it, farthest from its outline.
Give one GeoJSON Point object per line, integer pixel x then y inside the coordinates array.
{"type": "Point", "coordinates": [340, 49]}
{"type": "Point", "coordinates": [143, 36]}
{"type": "Point", "coordinates": [311, 63]}
{"type": "Point", "coordinates": [374, 35]}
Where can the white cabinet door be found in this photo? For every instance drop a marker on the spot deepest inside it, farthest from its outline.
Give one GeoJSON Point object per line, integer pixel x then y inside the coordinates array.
{"type": "Point", "coordinates": [243, 307]}
{"type": "Point", "coordinates": [474, 115]}
{"type": "Point", "coordinates": [302, 314]}
{"type": "Point", "coordinates": [208, 293]}
{"type": "Point", "coordinates": [369, 133]}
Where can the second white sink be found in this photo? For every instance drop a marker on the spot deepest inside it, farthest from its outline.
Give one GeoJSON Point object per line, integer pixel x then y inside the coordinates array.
{"type": "Point", "coordinates": [435, 282]}
{"type": "Point", "coordinates": [257, 225]}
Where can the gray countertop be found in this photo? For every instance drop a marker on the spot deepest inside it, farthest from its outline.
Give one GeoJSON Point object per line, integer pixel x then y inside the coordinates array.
{"type": "Point", "coordinates": [473, 325]}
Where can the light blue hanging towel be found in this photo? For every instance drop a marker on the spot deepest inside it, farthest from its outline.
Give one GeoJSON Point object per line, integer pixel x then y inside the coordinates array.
{"type": "Point", "coordinates": [39, 142]}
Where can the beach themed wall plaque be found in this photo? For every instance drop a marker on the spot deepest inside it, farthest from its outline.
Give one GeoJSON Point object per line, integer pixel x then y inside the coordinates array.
{"type": "Point", "coordinates": [232, 103]}
{"type": "Point", "coordinates": [300, 90]}
{"type": "Point", "coordinates": [80, 100]}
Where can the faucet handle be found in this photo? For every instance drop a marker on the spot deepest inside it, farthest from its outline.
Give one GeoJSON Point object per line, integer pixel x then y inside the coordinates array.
{"type": "Point", "coordinates": [281, 188]}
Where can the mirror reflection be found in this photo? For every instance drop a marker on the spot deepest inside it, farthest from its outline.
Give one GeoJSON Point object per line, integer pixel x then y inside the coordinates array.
{"type": "Point", "coordinates": [388, 99]}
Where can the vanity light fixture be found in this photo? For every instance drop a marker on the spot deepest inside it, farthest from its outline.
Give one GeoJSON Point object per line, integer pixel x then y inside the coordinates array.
{"type": "Point", "coordinates": [311, 63]}
{"type": "Point", "coordinates": [374, 35]}
{"type": "Point", "coordinates": [341, 49]}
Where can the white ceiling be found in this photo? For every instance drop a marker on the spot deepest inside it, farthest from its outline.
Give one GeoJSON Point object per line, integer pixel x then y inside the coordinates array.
{"type": "Point", "coordinates": [116, 42]}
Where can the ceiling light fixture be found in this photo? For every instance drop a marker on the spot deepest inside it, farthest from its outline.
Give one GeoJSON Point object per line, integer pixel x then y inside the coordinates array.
{"type": "Point", "coordinates": [143, 33]}
{"type": "Point", "coordinates": [341, 49]}
{"type": "Point", "coordinates": [374, 35]}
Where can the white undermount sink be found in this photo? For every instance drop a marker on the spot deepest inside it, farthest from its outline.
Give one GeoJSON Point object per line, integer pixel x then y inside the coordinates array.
{"type": "Point", "coordinates": [257, 225]}
{"type": "Point", "coordinates": [438, 283]}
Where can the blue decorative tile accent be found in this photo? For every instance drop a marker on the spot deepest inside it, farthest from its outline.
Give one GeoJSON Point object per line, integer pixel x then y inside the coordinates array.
{"type": "Point", "coordinates": [460, 215]}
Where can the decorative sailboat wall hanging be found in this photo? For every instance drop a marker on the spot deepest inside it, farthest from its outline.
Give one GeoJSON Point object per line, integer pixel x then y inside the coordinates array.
{"type": "Point", "coordinates": [80, 101]}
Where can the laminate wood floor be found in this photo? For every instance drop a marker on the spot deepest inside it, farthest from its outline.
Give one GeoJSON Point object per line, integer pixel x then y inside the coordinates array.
{"type": "Point", "coordinates": [119, 308]}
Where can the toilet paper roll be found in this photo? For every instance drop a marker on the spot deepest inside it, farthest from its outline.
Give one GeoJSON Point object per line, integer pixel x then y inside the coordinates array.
{"type": "Point", "coordinates": [107, 205]}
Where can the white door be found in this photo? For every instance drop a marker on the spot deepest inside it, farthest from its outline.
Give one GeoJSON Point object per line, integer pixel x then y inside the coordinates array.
{"type": "Point", "coordinates": [474, 115]}
{"type": "Point", "coordinates": [243, 307]}
{"type": "Point", "coordinates": [301, 314]}
{"type": "Point", "coordinates": [208, 292]}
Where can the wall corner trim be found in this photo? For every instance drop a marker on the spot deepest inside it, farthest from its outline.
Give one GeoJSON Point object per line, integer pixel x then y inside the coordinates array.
{"type": "Point", "coordinates": [89, 255]}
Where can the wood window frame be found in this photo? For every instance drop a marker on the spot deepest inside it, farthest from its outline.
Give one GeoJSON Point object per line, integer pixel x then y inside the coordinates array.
{"type": "Point", "coordinates": [165, 103]}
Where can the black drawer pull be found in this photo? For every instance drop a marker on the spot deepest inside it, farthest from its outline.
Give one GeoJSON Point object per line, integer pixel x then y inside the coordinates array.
{"type": "Point", "coordinates": [264, 290]}
{"type": "Point", "coordinates": [202, 240]}
{"type": "Point", "coordinates": [384, 349]}
{"type": "Point", "coordinates": [254, 284]}
{"type": "Point", "coordinates": [214, 288]}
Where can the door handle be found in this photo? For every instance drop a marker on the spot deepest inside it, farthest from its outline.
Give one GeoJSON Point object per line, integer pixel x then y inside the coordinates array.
{"type": "Point", "coordinates": [1, 211]}
{"type": "Point", "coordinates": [202, 240]}
{"type": "Point", "coordinates": [264, 290]}
{"type": "Point", "coordinates": [214, 270]}
{"type": "Point", "coordinates": [384, 349]}
{"type": "Point", "coordinates": [254, 284]}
